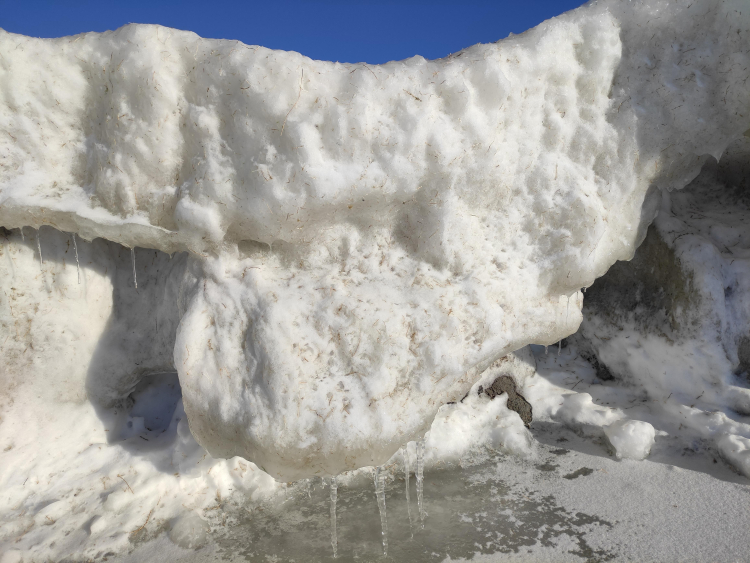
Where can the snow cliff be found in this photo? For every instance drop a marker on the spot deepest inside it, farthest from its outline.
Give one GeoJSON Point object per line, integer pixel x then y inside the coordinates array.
{"type": "Point", "coordinates": [356, 243]}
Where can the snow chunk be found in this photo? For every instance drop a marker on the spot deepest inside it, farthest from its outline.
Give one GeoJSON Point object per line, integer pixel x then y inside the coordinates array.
{"type": "Point", "coordinates": [467, 428]}
{"type": "Point", "coordinates": [579, 411]}
{"type": "Point", "coordinates": [736, 451]}
{"type": "Point", "coordinates": [631, 439]}
{"type": "Point", "coordinates": [464, 429]}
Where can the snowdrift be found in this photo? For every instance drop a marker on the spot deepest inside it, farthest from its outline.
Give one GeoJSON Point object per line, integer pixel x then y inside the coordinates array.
{"type": "Point", "coordinates": [355, 244]}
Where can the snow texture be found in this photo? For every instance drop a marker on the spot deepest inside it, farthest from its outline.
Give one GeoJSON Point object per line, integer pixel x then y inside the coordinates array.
{"type": "Point", "coordinates": [362, 242]}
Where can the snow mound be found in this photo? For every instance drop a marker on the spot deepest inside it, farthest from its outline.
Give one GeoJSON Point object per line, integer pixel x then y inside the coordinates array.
{"type": "Point", "coordinates": [736, 450]}
{"type": "Point", "coordinates": [631, 439]}
{"type": "Point", "coordinates": [578, 411]}
{"type": "Point", "coordinates": [464, 430]}
{"type": "Point", "coordinates": [364, 241]}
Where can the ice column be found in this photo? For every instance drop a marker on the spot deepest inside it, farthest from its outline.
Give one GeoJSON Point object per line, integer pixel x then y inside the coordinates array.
{"type": "Point", "coordinates": [380, 495]}
{"type": "Point", "coordinates": [78, 266]}
{"type": "Point", "coordinates": [407, 471]}
{"type": "Point", "coordinates": [420, 480]}
{"type": "Point", "coordinates": [132, 255]}
{"type": "Point", "coordinates": [39, 247]}
{"type": "Point", "coordinates": [334, 496]}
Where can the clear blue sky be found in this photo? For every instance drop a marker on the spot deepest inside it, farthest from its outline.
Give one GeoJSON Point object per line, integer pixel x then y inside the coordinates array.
{"type": "Point", "coordinates": [353, 31]}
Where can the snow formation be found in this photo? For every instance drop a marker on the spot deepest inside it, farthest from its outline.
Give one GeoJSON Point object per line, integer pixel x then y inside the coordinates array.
{"type": "Point", "coordinates": [631, 439]}
{"type": "Point", "coordinates": [355, 244]}
{"type": "Point", "coordinates": [675, 321]}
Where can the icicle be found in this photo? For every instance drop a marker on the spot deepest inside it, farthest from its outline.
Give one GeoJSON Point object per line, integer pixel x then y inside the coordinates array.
{"type": "Point", "coordinates": [380, 495]}
{"type": "Point", "coordinates": [407, 475]}
{"type": "Point", "coordinates": [420, 480]}
{"type": "Point", "coordinates": [78, 266]}
{"type": "Point", "coordinates": [39, 247]}
{"type": "Point", "coordinates": [567, 310]}
{"type": "Point", "coordinates": [23, 239]}
{"type": "Point", "coordinates": [584, 290]}
{"type": "Point", "coordinates": [132, 255]}
{"type": "Point", "coordinates": [334, 496]}
{"type": "Point", "coordinates": [546, 351]}
{"type": "Point", "coordinates": [559, 347]}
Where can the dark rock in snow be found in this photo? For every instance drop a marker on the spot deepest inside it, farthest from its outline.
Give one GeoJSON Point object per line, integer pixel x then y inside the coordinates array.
{"type": "Point", "coordinates": [516, 401]}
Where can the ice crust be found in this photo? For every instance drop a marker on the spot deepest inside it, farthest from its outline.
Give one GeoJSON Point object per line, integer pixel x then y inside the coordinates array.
{"type": "Point", "coordinates": [363, 241]}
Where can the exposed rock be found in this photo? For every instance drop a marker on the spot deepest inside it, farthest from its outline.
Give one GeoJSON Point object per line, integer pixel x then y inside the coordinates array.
{"type": "Point", "coordinates": [676, 318]}
{"type": "Point", "coordinates": [651, 290]}
{"type": "Point", "coordinates": [516, 401]}
{"type": "Point", "coordinates": [743, 354]}
{"type": "Point", "coordinates": [587, 352]}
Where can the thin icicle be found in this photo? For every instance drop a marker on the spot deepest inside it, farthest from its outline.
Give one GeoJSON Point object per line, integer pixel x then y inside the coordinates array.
{"type": "Point", "coordinates": [546, 351]}
{"type": "Point", "coordinates": [132, 255]}
{"type": "Point", "coordinates": [334, 496]}
{"type": "Point", "coordinates": [420, 481]}
{"type": "Point", "coordinates": [559, 346]}
{"type": "Point", "coordinates": [380, 495]}
{"type": "Point", "coordinates": [407, 475]}
{"type": "Point", "coordinates": [23, 239]}
{"type": "Point", "coordinates": [39, 247]}
{"type": "Point", "coordinates": [78, 266]}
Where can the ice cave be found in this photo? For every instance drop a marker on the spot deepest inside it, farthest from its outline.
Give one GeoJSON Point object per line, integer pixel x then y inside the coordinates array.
{"type": "Point", "coordinates": [490, 307]}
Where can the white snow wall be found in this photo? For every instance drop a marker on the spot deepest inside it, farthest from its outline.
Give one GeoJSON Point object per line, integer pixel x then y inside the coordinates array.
{"type": "Point", "coordinates": [364, 240]}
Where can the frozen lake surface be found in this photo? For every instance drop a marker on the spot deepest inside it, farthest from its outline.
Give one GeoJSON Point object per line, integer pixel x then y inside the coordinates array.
{"type": "Point", "coordinates": [573, 503]}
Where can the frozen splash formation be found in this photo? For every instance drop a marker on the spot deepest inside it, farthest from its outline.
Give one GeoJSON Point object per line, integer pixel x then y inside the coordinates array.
{"type": "Point", "coordinates": [354, 244]}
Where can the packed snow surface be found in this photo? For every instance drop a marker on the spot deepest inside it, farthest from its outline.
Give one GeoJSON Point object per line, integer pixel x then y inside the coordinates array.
{"type": "Point", "coordinates": [362, 241]}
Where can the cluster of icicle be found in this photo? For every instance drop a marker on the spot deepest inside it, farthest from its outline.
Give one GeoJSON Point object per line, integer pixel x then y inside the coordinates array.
{"type": "Point", "coordinates": [75, 248]}
{"type": "Point", "coordinates": [379, 480]}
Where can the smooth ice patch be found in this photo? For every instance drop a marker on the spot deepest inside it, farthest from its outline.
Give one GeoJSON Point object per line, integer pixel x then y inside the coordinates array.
{"type": "Point", "coordinates": [189, 531]}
